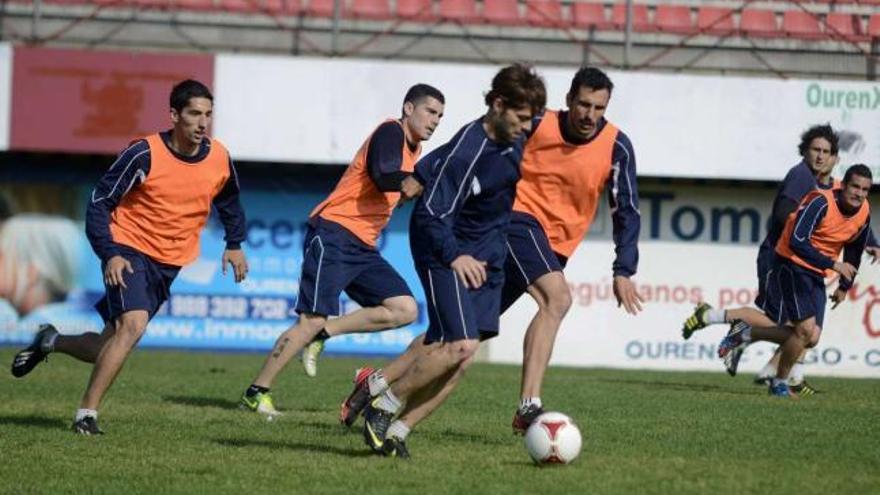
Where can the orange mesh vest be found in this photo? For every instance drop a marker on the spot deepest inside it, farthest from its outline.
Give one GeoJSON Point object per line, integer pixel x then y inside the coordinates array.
{"type": "Point", "coordinates": [356, 203]}
{"type": "Point", "coordinates": [164, 216]}
{"type": "Point", "coordinates": [561, 182]}
{"type": "Point", "coordinates": [835, 230]}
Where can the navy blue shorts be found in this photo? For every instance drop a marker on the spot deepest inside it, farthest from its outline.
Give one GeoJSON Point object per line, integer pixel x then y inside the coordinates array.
{"type": "Point", "coordinates": [335, 260]}
{"type": "Point", "coordinates": [146, 289]}
{"type": "Point", "coordinates": [456, 313]}
{"type": "Point", "coordinates": [529, 257]}
{"type": "Point", "coordinates": [793, 293]}
{"type": "Point", "coordinates": [764, 262]}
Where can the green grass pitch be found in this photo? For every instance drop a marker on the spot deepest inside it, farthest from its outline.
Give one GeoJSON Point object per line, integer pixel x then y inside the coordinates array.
{"type": "Point", "coordinates": [172, 426]}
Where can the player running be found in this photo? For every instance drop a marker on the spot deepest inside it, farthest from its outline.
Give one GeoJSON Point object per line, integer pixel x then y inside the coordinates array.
{"type": "Point", "coordinates": [457, 236]}
{"type": "Point", "coordinates": [339, 252]}
{"type": "Point", "coordinates": [143, 222]}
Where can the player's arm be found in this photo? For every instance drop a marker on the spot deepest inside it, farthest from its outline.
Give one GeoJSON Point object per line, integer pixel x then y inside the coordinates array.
{"type": "Point", "coordinates": [385, 159]}
{"type": "Point", "coordinates": [852, 254]}
{"type": "Point", "coordinates": [797, 183]}
{"type": "Point", "coordinates": [808, 217]}
{"type": "Point", "coordinates": [228, 205]}
{"type": "Point", "coordinates": [128, 171]}
{"type": "Point", "coordinates": [623, 199]}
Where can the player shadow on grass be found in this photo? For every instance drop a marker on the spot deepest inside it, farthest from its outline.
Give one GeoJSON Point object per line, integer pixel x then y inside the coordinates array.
{"type": "Point", "coordinates": [38, 421]}
{"type": "Point", "coordinates": [303, 447]}
{"type": "Point", "coordinates": [677, 386]}
{"type": "Point", "coordinates": [214, 402]}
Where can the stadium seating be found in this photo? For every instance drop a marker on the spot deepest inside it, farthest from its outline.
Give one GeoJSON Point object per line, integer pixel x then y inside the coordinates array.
{"type": "Point", "coordinates": [587, 15]}
{"type": "Point", "coordinates": [771, 19]}
{"type": "Point", "coordinates": [463, 11]}
{"type": "Point", "coordinates": [802, 25]}
{"type": "Point", "coordinates": [840, 25]}
{"type": "Point", "coordinates": [544, 13]}
{"type": "Point", "coordinates": [502, 12]}
{"type": "Point", "coordinates": [674, 19]}
{"type": "Point", "coordinates": [874, 26]}
{"type": "Point", "coordinates": [371, 9]}
{"type": "Point", "coordinates": [640, 20]}
{"type": "Point", "coordinates": [416, 10]}
{"type": "Point", "coordinates": [717, 21]}
{"type": "Point", "coordinates": [759, 23]}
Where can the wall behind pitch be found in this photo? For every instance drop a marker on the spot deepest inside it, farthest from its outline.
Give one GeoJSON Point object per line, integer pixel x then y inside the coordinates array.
{"type": "Point", "coordinates": [672, 278]}
{"type": "Point", "coordinates": [298, 109]}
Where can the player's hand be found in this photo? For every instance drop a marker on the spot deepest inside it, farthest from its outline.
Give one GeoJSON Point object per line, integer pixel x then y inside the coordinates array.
{"type": "Point", "coordinates": [113, 271]}
{"type": "Point", "coordinates": [873, 252]}
{"type": "Point", "coordinates": [627, 295]}
{"type": "Point", "coordinates": [838, 297]}
{"type": "Point", "coordinates": [471, 271]}
{"type": "Point", "coordinates": [236, 258]}
{"type": "Point", "coordinates": [845, 270]}
{"type": "Point", "coordinates": [410, 188]}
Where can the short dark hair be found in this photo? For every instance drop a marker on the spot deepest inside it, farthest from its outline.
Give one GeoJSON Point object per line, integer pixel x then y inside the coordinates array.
{"type": "Point", "coordinates": [420, 91]}
{"type": "Point", "coordinates": [818, 131]}
{"type": "Point", "coordinates": [518, 85]}
{"type": "Point", "coordinates": [183, 91]}
{"type": "Point", "coordinates": [859, 169]}
{"type": "Point", "coordinates": [590, 77]}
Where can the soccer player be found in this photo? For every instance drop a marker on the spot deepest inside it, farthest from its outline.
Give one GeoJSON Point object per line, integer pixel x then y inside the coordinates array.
{"type": "Point", "coordinates": [144, 221]}
{"type": "Point", "coordinates": [818, 148]}
{"type": "Point", "coordinates": [569, 158]}
{"type": "Point", "coordinates": [457, 237]}
{"type": "Point", "coordinates": [339, 252]}
{"type": "Point", "coordinates": [827, 222]}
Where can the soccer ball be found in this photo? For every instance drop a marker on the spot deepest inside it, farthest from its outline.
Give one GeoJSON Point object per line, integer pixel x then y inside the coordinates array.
{"type": "Point", "coordinates": [553, 438]}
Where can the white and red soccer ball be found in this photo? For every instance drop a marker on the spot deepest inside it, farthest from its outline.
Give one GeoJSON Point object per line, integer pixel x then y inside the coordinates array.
{"type": "Point", "coordinates": [553, 438]}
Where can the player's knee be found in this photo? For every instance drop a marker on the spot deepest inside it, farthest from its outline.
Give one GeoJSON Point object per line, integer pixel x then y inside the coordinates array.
{"type": "Point", "coordinates": [814, 338]}
{"type": "Point", "coordinates": [463, 350]}
{"type": "Point", "coordinates": [805, 332]}
{"type": "Point", "coordinates": [404, 311]}
{"type": "Point", "coordinates": [131, 327]}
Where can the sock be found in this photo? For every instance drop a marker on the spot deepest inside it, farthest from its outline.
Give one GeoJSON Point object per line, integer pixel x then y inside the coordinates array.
{"type": "Point", "coordinates": [377, 384]}
{"type": "Point", "coordinates": [388, 402]}
{"type": "Point", "coordinates": [530, 401]}
{"type": "Point", "coordinates": [322, 335]}
{"type": "Point", "coordinates": [398, 429]}
{"type": "Point", "coordinates": [254, 390]}
{"type": "Point", "coordinates": [769, 369]}
{"type": "Point", "coordinates": [796, 376]}
{"type": "Point", "coordinates": [82, 413]}
{"type": "Point", "coordinates": [716, 316]}
{"type": "Point", "coordinates": [48, 344]}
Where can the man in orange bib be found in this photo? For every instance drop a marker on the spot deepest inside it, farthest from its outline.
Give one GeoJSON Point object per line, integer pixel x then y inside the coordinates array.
{"type": "Point", "coordinates": [570, 157]}
{"type": "Point", "coordinates": [144, 221]}
{"type": "Point", "coordinates": [340, 246]}
{"type": "Point", "coordinates": [827, 222]}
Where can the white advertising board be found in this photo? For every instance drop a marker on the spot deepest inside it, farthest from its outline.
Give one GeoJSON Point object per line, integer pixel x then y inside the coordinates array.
{"type": "Point", "coordinates": [5, 93]}
{"type": "Point", "coordinates": [306, 110]}
{"type": "Point", "coordinates": [672, 277]}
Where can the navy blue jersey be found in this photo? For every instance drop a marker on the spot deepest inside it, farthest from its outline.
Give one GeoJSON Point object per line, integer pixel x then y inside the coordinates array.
{"type": "Point", "coordinates": [797, 183]}
{"type": "Point", "coordinates": [470, 184]}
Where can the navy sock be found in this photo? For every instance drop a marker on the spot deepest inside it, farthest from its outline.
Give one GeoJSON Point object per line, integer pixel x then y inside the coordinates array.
{"type": "Point", "coordinates": [254, 390]}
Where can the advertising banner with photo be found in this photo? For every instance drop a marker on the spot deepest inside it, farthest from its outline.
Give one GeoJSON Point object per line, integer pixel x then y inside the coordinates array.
{"type": "Point", "coordinates": [672, 278]}
{"type": "Point", "coordinates": [206, 309]}
{"type": "Point", "coordinates": [94, 101]}
{"type": "Point", "coordinates": [299, 109]}
{"type": "Point", "coordinates": [5, 93]}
